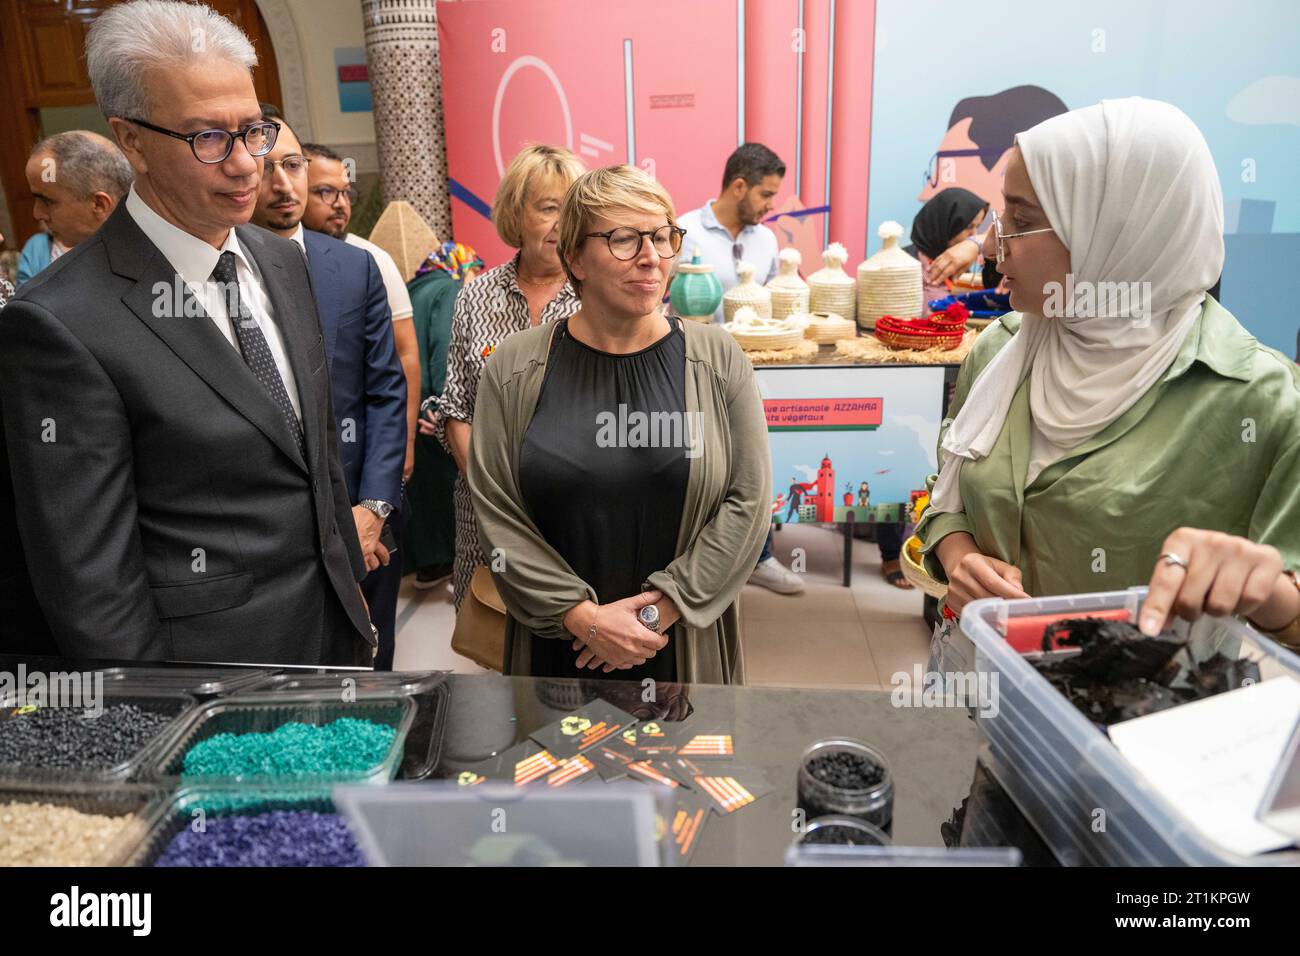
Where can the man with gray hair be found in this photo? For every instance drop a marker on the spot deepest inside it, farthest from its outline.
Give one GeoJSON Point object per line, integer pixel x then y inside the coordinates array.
{"type": "Point", "coordinates": [165, 395]}
{"type": "Point", "coordinates": [77, 179]}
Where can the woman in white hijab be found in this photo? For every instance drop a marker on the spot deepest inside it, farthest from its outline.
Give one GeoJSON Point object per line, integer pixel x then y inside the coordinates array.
{"type": "Point", "coordinates": [1121, 420]}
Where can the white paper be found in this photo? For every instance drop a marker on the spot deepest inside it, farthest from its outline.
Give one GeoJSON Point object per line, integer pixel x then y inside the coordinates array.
{"type": "Point", "coordinates": [1212, 759]}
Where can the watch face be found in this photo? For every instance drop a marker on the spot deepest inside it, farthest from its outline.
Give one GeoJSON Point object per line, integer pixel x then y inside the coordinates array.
{"type": "Point", "coordinates": [650, 615]}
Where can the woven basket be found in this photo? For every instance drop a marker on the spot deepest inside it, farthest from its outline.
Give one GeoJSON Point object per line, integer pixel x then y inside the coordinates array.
{"type": "Point", "coordinates": [914, 570]}
{"type": "Point", "coordinates": [746, 292]}
{"type": "Point", "coordinates": [917, 334]}
{"type": "Point", "coordinates": [827, 328]}
{"type": "Point", "coordinates": [831, 289]}
{"type": "Point", "coordinates": [768, 341]}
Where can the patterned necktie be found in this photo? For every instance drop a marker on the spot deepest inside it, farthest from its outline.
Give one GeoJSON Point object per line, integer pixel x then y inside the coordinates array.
{"type": "Point", "coordinates": [252, 343]}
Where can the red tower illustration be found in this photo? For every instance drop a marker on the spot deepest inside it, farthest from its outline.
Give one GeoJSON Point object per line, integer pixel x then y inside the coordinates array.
{"type": "Point", "coordinates": [826, 490]}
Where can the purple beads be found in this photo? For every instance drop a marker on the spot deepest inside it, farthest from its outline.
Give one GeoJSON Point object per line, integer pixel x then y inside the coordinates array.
{"type": "Point", "coordinates": [274, 838]}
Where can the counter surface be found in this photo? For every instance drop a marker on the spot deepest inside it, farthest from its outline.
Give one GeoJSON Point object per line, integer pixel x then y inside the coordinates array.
{"type": "Point", "coordinates": [931, 751]}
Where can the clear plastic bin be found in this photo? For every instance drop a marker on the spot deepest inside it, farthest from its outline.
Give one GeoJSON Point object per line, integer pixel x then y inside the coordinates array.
{"type": "Point", "coordinates": [436, 823]}
{"type": "Point", "coordinates": [430, 690]}
{"type": "Point", "coordinates": [111, 800]}
{"type": "Point", "coordinates": [198, 681]}
{"type": "Point", "coordinates": [179, 809]}
{"type": "Point", "coordinates": [1059, 767]}
{"type": "Point", "coordinates": [175, 704]}
{"type": "Point", "coordinates": [927, 856]}
{"type": "Point", "coordinates": [252, 714]}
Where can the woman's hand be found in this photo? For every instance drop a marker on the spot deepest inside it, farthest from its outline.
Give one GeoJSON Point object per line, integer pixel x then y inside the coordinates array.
{"type": "Point", "coordinates": [972, 575]}
{"type": "Point", "coordinates": [620, 639]}
{"type": "Point", "coordinates": [426, 421]}
{"type": "Point", "coordinates": [1224, 575]}
{"type": "Point", "coordinates": [953, 260]}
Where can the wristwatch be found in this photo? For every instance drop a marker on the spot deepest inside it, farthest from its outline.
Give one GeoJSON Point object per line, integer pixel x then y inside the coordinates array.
{"type": "Point", "coordinates": [649, 616]}
{"type": "Point", "coordinates": [382, 508]}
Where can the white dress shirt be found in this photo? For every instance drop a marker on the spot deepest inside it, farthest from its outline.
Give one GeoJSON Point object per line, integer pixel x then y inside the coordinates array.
{"type": "Point", "coordinates": [399, 299]}
{"type": "Point", "coordinates": [717, 248]}
{"type": "Point", "coordinates": [193, 259]}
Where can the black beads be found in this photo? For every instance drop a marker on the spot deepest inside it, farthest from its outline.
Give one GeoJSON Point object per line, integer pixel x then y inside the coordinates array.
{"type": "Point", "coordinates": [76, 738]}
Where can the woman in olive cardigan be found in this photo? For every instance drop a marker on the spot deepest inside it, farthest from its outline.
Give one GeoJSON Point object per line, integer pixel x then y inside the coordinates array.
{"type": "Point", "coordinates": [725, 502]}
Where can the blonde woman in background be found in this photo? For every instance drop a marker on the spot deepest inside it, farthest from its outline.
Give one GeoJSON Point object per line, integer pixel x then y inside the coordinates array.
{"type": "Point", "coordinates": [530, 289]}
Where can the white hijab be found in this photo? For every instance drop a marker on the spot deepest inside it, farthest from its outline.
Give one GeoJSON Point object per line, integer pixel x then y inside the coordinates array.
{"type": "Point", "coordinates": [1131, 190]}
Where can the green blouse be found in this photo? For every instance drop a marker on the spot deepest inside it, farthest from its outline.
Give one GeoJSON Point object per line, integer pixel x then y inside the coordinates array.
{"type": "Point", "coordinates": [1215, 444]}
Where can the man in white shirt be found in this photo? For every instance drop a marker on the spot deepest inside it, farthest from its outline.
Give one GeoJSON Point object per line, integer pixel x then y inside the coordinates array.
{"type": "Point", "coordinates": [727, 231]}
{"type": "Point", "coordinates": [165, 395]}
{"type": "Point", "coordinates": [330, 195]}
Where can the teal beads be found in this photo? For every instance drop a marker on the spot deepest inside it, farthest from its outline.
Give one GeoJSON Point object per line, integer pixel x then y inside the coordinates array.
{"type": "Point", "coordinates": [293, 750]}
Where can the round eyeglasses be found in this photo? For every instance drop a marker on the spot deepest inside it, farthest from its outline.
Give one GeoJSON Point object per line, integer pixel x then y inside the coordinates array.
{"type": "Point", "coordinates": [294, 165]}
{"type": "Point", "coordinates": [329, 195]}
{"type": "Point", "coordinates": [212, 146]}
{"type": "Point", "coordinates": [625, 242]}
{"type": "Point", "coordinates": [1000, 237]}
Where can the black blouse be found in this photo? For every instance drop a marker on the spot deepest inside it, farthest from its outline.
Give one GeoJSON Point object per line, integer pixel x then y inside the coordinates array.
{"type": "Point", "coordinates": [604, 480]}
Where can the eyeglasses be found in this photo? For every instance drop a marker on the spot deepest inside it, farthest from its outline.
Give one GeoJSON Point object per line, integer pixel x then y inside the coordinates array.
{"type": "Point", "coordinates": [931, 174]}
{"type": "Point", "coordinates": [1003, 237]}
{"type": "Point", "coordinates": [292, 165]}
{"type": "Point", "coordinates": [212, 146]}
{"type": "Point", "coordinates": [625, 242]}
{"type": "Point", "coordinates": [329, 195]}
{"type": "Point", "coordinates": [737, 252]}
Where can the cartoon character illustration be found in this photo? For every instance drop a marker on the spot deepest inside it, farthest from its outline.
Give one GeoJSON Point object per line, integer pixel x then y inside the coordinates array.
{"type": "Point", "coordinates": [975, 150]}
{"type": "Point", "coordinates": [797, 490]}
{"type": "Point", "coordinates": [864, 495]}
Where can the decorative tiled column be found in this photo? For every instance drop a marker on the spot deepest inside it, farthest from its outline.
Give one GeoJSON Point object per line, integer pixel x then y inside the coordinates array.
{"type": "Point", "coordinates": [406, 93]}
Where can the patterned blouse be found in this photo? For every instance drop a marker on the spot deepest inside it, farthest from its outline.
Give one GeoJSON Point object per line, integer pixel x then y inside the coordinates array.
{"type": "Point", "coordinates": [6, 292]}
{"type": "Point", "coordinates": [488, 309]}
{"type": "Point", "coordinates": [491, 307]}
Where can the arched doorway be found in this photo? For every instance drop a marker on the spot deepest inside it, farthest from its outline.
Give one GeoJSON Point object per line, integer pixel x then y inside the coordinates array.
{"type": "Point", "coordinates": [44, 88]}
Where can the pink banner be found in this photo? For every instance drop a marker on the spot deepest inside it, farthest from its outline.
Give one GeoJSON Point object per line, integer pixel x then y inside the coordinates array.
{"type": "Point", "coordinates": [823, 414]}
{"type": "Point", "coordinates": [522, 72]}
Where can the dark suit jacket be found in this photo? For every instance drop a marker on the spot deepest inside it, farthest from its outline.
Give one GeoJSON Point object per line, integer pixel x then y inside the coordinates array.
{"type": "Point", "coordinates": [369, 388]}
{"type": "Point", "coordinates": [163, 506]}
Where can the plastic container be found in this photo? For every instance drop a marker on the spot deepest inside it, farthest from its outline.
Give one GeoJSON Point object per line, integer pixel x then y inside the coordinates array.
{"type": "Point", "coordinates": [254, 714]}
{"type": "Point", "coordinates": [182, 807]}
{"type": "Point", "coordinates": [114, 800]}
{"type": "Point", "coordinates": [430, 690]}
{"type": "Point", "coordinates": [1061, 770]}
{"type": "Point", "coordinates": [874, 805]}
{"type": "Point", "coordinates": [885, 853]}
{"type": "Point", "coordinates": [863, 833]}
{"type": "Point", "coordinates": [198, 681]}
{"type": "Point", "coordinates": [436, 823]}
{"type": "Point", "coordinates": [178, 705]}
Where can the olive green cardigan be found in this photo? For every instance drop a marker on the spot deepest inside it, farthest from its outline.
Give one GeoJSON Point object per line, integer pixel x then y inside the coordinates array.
{"type": "Point", "coordinates": [725, 516]}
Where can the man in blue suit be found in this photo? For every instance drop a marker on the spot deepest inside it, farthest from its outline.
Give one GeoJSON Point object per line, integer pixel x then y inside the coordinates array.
{"type": "Point", "coordinates": [366, 377]}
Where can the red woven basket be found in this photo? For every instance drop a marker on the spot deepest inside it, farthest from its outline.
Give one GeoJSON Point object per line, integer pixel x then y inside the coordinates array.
{"type": "Point", "coordinates": [919, 333]}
